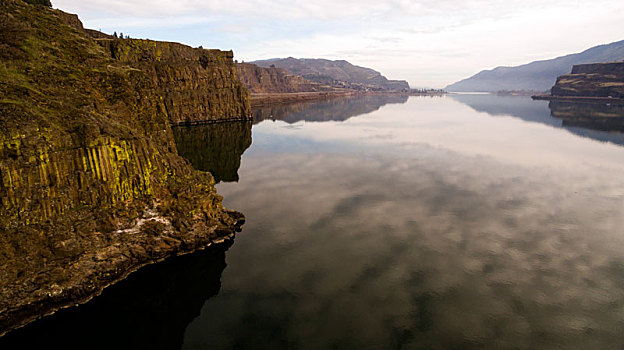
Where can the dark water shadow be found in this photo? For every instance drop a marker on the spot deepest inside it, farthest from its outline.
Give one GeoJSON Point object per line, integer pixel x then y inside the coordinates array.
{"type": "Point", "coordinates": [215, 148]}
{"type": "Point", "coordinates": [599, 122]}
{"type": "Point", "coordinates": [149, 310]}
{"type": "Point", "coordinates": [338, 109]}
{"type": "Point", "coordinates": [593, 116]}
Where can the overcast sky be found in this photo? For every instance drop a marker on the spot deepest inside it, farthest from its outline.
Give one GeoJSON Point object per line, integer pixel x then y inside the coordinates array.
{"type": "Point", "coordinates": [430, 43]}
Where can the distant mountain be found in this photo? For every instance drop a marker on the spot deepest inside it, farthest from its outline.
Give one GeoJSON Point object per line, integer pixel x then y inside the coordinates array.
{"type": "Point", "coordinates": [275, 80]}
{"type": "Point", "coordinates": [335, 73]}
{"type": "Point", "coordinates": [538, 75]}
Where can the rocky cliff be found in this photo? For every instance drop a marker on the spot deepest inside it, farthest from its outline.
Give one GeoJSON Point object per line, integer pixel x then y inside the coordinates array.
{"type": "Point", "coordinates": [592, 80]}
{"type": "Point", "coordinates": [151, 309]}
{"type": "Point", "coordinates": [196, 85]}
{"type": "Point", "coordinates": [91, 186]}
{"type": "Point", "coordinates": [275, 80]}
{"type": "Point", "coordinates": [340, 74]}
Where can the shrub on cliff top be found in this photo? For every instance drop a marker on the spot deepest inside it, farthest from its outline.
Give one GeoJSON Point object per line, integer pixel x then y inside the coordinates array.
{"type": "Point", "coordinates": [40, 2]}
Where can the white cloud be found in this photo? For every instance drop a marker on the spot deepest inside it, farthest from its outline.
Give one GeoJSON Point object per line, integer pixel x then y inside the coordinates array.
{"type": "Point", "coordinates": [430, 43]}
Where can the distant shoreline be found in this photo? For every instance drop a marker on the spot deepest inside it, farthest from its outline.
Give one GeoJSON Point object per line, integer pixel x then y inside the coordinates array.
{"type": "Point", "coordinates": [581, 99]}
{"type": "Point", "coordinates": [272, 98]}
{"type": "Point", "coordinates": [269, 98]}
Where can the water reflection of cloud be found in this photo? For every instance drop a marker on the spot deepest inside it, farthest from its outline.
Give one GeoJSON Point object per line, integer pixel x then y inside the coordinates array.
{"type": "Point", "coordinates": [434, 250]}
{"type": "Point", "coordinates": [560, 115]}
{"type": "Point", "coordinates": [446, 124]}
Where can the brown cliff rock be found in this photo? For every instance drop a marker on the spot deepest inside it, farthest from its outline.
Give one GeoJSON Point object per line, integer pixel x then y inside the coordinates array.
{"type": "Point", "coordinates": [91, 186]}
{"type": "Point", "coordinates": [592, 80]}
{"type": "Point", "coordinates": [338, 74]}
{"type": "Point", "coordinates": [275, 80]}
{"type": "Point", "coordinates": [197, 85]}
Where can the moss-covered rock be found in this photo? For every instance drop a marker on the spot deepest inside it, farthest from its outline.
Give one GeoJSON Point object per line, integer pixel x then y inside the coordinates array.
{"type": "Point", "coordinates": [91, 186]}
{"type": "Point", "coordinates": [196, 85]}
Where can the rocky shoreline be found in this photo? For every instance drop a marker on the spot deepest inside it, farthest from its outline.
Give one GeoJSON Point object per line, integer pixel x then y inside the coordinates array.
{"type": "Point", "coordinates": [76, 295]}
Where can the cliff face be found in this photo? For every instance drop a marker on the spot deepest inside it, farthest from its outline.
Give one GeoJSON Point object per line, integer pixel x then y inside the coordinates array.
{"type": "Point", "coordinates": [91, 186]}
{"type": "Point", "coordinates": [275, 80]}
{"type": "Point", "coordinates": [341, 74]}
{"type": "Point", "coordinates": [592, 80]}
{"type": "Point", "coordinates": [196, 85]}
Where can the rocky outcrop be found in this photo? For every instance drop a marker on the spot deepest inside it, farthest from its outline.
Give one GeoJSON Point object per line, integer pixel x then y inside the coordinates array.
{"type": "Point", "coordinates": [592, 80]}
{"type": "Point", "coordinates": [91, 186]}
{"type": "Point", "coordinates": [197, 85]}
{"type": "Point", "coordinates": [151, 309]}
{"type": "Point", "coordinates": [338, 74]}
{"type": "Point", "coordinates": [275, 80]}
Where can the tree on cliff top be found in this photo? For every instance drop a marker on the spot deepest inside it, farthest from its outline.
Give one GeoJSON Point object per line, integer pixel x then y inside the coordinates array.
{"type": "Point", "coordinates": [40, 2]}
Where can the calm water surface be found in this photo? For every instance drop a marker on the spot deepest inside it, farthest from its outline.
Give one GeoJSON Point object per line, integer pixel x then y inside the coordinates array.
{"type": "Point", "coordinates": [457, 222]}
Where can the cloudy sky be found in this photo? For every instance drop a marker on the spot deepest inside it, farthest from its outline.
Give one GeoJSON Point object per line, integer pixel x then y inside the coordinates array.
{"type": "Point", "coordinates": [430, 43]}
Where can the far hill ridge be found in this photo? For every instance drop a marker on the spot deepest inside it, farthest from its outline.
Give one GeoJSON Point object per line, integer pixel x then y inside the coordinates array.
{"type": "Point", "coordinates": [538, 75]}
{"type": "Point", "coordinates": [340, 73]}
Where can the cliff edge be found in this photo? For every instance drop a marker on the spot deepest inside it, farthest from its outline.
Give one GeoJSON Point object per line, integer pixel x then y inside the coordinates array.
{"type": "Point", "coordinates": [592, 80]}
{"type": "Point", "coordinates": [91, 185]}
{"type": "Point", "coordinates": [590, 83]}
{"type": "Point", "coordinates": [275, 80]}
{"type": "Point", "coordinates": [338, 74]}
{"type": "Point", "coordinates": [197, 85]}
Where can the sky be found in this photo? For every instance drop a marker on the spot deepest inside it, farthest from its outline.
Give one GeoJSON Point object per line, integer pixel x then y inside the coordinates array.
{"type": "Point", "coordinates": [429, 43]}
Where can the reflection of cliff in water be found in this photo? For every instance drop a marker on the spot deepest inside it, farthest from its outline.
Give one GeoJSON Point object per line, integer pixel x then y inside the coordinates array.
{"type": "Point", "coordinates": [594, 116]}
{"type": "Point", "coordinates": [337, 109]}
{"type": "Point", "coordinates": [216, 148]}
{"type": "Point", "coordinates": [573, 117]}
{"type": "Point", "coordinates": [149, 310]}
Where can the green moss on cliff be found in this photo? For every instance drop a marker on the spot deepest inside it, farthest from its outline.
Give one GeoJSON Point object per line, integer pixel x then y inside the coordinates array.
{"type": "Point", "coordinates": [87, 156]}
{"type": "Point", "coordinates": [196, 84]}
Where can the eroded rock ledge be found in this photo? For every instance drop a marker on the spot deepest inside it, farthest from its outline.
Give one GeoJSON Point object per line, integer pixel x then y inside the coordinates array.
{"type": "Point", "coordinates": [590, 83]}
{"type": "Point", "coordinates": [196, 85]}
{"type": "Point", "coordinates": [91, 186]}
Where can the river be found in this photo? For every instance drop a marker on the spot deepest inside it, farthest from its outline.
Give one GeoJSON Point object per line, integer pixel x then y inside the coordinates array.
{"type": "Point", "coordinates": [388, 222]}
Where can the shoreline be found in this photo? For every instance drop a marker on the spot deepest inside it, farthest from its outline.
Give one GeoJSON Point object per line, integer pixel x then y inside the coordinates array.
{"type": "Point", "coordinates": [26, 316]}
{"type": "Point", "coordinates": [272, 98]}
{"type": "Point", "coordinates": [579, 99]}
{"type": "Point", "coordinates": [211, 121]}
